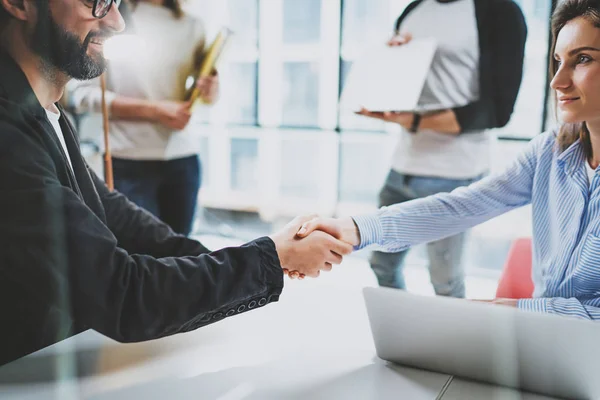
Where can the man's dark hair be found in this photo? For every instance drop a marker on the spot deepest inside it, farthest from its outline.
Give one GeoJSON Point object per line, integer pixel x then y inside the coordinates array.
{"type": "Point", "coordinates": [4, 16]}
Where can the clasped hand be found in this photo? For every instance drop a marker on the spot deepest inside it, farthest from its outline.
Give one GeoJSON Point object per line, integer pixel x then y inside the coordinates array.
{"type": "Point", "coordinates": [309, 245]}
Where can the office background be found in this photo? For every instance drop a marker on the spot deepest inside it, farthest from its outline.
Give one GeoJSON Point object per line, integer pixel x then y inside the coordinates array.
{"type": "Point", "coordinates": [276, 144]}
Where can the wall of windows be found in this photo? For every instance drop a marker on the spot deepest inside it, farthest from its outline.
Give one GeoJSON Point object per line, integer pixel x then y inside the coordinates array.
{"type": "Point", "coordinates": [276, 142]}
{"type": "Point", "coordinates": [284, 77]}
{"type": "Point", "coordinates": [527, 119]}
{"type": "Point", "coordinates": [281, 83]}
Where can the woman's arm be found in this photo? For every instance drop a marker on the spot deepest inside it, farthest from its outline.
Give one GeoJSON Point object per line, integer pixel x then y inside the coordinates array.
{"type": "Point", "coordinates": [435, 217]}
{"type": "Point", "coordinates": [86, 96]}
{"type": "Point", "coordinates": [586, 309]}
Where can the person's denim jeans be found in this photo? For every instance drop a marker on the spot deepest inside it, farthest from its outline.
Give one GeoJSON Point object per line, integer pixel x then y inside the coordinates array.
{"type": "Point", "coordinates": [168, 189]}
{"type": "Point", "coordinates": [445, 256]}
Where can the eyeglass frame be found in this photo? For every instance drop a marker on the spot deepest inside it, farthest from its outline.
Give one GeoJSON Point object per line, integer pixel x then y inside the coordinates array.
{"type": "Point", "coordinates": [95, 7]}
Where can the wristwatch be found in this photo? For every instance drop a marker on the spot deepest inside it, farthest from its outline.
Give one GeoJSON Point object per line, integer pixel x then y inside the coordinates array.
{"type": "Point", "coordinates": [414, 128]}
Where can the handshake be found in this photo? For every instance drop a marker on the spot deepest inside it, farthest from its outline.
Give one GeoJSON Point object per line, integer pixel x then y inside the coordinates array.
{"type": "Point", "coordinates": [308, 245]}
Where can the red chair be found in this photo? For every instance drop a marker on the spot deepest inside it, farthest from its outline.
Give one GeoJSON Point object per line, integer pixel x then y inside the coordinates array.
{"type": "Point", "coordinates": [515, 282]}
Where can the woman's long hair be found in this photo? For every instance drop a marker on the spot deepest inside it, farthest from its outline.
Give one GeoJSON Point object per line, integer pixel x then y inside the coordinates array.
{"type": "Point", "coordinates": [568, 10]}
{"type": "Point", "coordinates": [173, 5]}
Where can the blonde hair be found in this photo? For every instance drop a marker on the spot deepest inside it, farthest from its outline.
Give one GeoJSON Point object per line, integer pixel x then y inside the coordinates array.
{"type": "Point", "coordinates": [173, 5]}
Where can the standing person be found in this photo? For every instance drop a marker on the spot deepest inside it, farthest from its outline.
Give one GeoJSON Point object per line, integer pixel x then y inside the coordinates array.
{"type": "Point", "coordinates": [75, 256]}
{"type": "Point", "coordinates": [155, 154]}
{"type": "Point", "coordinates": [558, 174]}
{"type": "Point", "coordinates": [472, 87]}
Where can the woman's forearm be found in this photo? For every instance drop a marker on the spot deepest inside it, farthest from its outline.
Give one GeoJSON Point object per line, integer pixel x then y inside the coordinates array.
{"type": "Point", "coordinates": [132, 109]}
{"type": "Point", "coordinates": [442, 122]}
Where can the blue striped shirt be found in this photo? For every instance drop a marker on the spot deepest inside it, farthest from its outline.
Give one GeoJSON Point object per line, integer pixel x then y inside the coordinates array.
{"type": "Point", "coordinates": [566, 223]}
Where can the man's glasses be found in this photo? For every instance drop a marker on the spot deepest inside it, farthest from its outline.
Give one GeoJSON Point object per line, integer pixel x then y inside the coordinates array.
{"type": "Point", "coordinates": [102, 7]}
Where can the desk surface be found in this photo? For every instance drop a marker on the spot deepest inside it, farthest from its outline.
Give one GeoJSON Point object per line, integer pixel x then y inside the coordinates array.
{"type": "Point", "coordinates": [314, 344]}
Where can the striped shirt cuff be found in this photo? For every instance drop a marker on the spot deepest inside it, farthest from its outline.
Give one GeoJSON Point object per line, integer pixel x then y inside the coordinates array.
{"type": "Point", "coordinates": [370, 230]}
{"type": "Point", "coordinates": [536, 305]}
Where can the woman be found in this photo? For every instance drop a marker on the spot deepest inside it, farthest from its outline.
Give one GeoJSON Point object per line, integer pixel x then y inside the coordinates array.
{"type": "Point", "coordinates": [557, 174]}
{"type": "Point", "coordinates": [155, 157]}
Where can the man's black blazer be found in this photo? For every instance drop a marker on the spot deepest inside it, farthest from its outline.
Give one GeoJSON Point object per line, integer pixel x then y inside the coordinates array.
{"type": "Point", "coordinates": [74, 256]}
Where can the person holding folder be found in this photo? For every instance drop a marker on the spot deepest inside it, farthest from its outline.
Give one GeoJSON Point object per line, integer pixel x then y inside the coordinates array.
{"type": "Point", "coordinates": [76, 256]}
{"type": "Point", "coordinates": [472, 87]}
{"type": "Point", "coordinates": [155, 154]}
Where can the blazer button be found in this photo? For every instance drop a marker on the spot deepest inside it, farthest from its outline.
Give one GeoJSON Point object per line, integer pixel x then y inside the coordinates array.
{"type": "Point", "coordinates": [218, 316]}
{"type": "Point", "coordinates": [262, 302]}
{"type": "Point", "coordinates": [230, 313]}
{"type": "Point", "coordinates": [241, 308]}
{"type": "Point", "coordinates": [206, 318]}
{"type": "Point", "coordinates": [252, 304]}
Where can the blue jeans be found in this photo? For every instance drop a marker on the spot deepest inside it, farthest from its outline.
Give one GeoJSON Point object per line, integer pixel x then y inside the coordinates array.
{"type": "Point", "coordinates": [168, 189]}
{"type": "Point", "coordinates": [445, 256]}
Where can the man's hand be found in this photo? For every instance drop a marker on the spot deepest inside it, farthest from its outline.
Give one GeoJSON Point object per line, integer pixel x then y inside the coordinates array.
{"type": "Point", "coordinates": [172, 114]}
{"type": "Point", "coordinates": [343, 229]}
{"type": "Point", "coordinates": [405, 119]}
{"type": "Point", "coordinates": [399, 40]}
{"type": "Point", "coordinates": [209, 88]}
{"type": "Point", "coordinates": [308, 256]}
{"type": "Point", "coordinates": [500, 302]}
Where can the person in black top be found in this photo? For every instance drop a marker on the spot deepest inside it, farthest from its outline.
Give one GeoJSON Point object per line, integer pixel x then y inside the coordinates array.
{"type": "Point", "coordinates": [75, 256]}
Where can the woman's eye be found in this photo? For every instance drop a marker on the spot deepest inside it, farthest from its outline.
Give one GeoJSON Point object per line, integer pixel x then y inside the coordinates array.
{"type": "Point", "coordinates": [582, 59]}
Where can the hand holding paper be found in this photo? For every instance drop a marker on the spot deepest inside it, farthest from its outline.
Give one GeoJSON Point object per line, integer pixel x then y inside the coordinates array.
{"type": "Point", "coordinates": [400, 39]}
{"type": "Point", "coordinates": [405, 119]}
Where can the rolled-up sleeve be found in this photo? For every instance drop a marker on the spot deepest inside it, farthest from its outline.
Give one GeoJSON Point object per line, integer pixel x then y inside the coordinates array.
{"type": "Point", "coordinates": [86, 96]}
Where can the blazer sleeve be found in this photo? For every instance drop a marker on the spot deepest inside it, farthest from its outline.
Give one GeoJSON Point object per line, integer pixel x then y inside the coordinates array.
{"type": "Point", "coordinates": [138, 231]}
{"type": "Point", "coordinates": [54, 247]}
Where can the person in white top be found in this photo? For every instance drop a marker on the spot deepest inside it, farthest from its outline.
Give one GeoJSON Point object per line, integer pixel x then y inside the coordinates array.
{"type": "Point", "coordinates": [155, 153]}
{"type": "Point", "coordinates": [444, 144]}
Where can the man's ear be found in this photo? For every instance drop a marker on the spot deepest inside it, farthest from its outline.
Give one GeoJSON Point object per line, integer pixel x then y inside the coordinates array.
{"type": "Point", "coordinates": [19, 9]}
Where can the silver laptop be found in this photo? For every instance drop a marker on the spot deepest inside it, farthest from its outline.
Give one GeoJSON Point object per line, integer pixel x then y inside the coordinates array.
{"type": "Point", "coordinates": [535, 352]}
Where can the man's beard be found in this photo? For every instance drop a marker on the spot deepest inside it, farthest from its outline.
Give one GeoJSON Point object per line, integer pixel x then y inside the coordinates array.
{"type": "Point", "coordinates": [62, 51]}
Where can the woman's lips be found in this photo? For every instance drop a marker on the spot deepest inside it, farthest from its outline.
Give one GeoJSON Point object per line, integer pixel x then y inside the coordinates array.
{"type": "Point", "coordinates": [563, 101]}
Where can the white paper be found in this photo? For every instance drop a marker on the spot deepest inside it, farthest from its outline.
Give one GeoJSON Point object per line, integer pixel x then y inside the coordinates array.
{"type": "Point", "coordinates": [388, 78]}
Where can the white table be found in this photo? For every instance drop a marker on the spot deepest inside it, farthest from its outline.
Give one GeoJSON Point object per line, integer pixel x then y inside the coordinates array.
{"type": "Point", "coordinates": [314, 344]}
{"type": "Point", "coordinates": [459, 389]}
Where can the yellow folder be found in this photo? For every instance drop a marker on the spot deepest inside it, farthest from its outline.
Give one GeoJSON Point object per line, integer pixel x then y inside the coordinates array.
{"type": "Point", "coordinates": [209, 61]}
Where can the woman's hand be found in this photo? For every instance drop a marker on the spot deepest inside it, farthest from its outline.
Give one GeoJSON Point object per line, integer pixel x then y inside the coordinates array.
{"type": "Point", "coordinates": [172, 114]}
{"type": "Point", "coordinates": [209, 88]}
{"type": "Point", "coordinates": [399, 40]}
{"type": "Point", "coordinates": [501, 302]}
{"type": "Point", "coordinates": [404, 119]}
